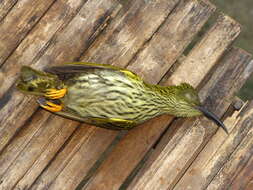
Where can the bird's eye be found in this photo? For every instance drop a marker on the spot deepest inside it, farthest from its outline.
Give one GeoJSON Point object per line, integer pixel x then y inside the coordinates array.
{"type": "Point", "coordinates": [192, 97]}
{"type": "Point", "coordinates": [189, 96]}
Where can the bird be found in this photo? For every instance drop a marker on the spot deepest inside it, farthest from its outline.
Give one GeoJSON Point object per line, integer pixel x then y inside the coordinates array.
{"type": "Point", "coordinates": [108, 96]}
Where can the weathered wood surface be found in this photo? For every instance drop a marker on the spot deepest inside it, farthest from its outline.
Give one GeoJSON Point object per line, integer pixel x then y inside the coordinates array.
{"type": "Point", "coordinates": [99, 134]}
{"type": "Point", "coordinates": [5, 7]}
{"type": "Point", "coordinates": [86, 24]}
{"type": "Point", "coordinates": [245, 176]}
{"type": "Point", "coordinates": [43, 151]}
{"type": "Point", "coordinates": [40, 38]}
{"type": "Point", "coordinates": [229, 80]}
{"type": "Point", "coordinates": [129, 31]}
{"type": "Point", "coordinates": [171, 161]}
{"type": "Point", "coordinates": [140, 140]}
{"type": "Point", "coordinates": [107, 46]}
{"type": "Point", "coordinates": [20, 20]}
{"type": "Point", "coordinates": [179, 146]}
{"type": "Point", "coordinates": [240, 156]}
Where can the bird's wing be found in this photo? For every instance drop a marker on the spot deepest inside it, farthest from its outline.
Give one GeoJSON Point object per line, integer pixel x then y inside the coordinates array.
{"type": "Point", "coordinates": [78, 67]}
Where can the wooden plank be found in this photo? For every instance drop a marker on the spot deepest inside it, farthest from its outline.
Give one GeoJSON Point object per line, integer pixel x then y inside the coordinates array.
{"type": "Point", "coordinates": [139, 139]}
{"type": "Point", "coordinates": [33, 149]}
{"type": "Point", "coordinates": [76, 146]}
{"type": "Point", "coordinates": [167, 45]}
{"type": "Point", "coordinates": [21, 106]}
{"type": "Point", "coordinates": [178, 153]}
{"type": "Point", "coordinates": [23, 16]}
{"type": "Point", "coordinates": [11, 152]}
{"type": "Point", "coordinates": [39, 38]}
{"type": "Point", "coordinates": [220, 147]}
{"type": "Point", "coordinates": [244, 178]}
{"type": "Point", "coordinates": [214, 155]}
{"type": "Point", "coordinates": [196, 172]}
{"type": "Point", "coordinates": [250, 185]}
{"type": "Point", "coordinates": [72, 164]}
{"type": "Point", "coordinates": [237, 160]}
{"type": "Point", "coordinates": [79, 151]}
{"type": "Point", "coordinates": [5, 7]}
{"type": "Point", "coordinates": [27, 176]}
{"type": "Point", "coordinates": [127, 35]}
{"type": "Point", "coordinates": [213, 40]}
{"type": "Point", "coordinates": [38, 162]}
{"type": "Point", "coordinates": [175, 157]}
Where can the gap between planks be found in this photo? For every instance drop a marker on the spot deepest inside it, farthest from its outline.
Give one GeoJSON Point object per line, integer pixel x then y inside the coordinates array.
{"type": "Point", "coordinates": [18, 101]}
{"type": "Point", "coordinates": [139, 136]}
{"type": "Point", "coordinates": [28, 17]}
{"type": "Point", "coordinates": [181, 164]}
{"type": "Point", "coordinates": [109, 8]}
{"type": "Point", "coordinates": [5, 8]}
{"type": "Point", "coordinates": [97, 54]}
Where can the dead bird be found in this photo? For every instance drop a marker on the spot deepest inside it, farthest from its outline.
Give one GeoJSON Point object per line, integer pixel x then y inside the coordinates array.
{"type": "Point", "coordinates": [108, 96]}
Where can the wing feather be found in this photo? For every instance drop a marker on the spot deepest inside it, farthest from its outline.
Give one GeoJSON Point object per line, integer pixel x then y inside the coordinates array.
{"type": "Point", "coordinates": [77, 67]}
{"type": "Point", "coordinates": [67, 69]}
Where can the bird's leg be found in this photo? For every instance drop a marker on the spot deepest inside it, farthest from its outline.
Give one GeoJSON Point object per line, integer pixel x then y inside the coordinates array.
{"type": "Point", "coordinates": [50, 106]}
{"type": "Point", "coordinates": [53, 93]}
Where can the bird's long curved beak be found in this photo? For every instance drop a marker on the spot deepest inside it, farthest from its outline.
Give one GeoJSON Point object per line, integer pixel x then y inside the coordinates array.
{"type": "Point", "coordinates": [212, 117]}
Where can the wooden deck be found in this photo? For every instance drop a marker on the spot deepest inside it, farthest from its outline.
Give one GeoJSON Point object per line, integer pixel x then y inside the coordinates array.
{"type": "Point", "coordinates": [39, 150]}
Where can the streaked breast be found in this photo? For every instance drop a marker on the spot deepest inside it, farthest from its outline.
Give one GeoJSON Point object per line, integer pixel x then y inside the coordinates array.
{"type": "Point", "coordinates": [110, 94]}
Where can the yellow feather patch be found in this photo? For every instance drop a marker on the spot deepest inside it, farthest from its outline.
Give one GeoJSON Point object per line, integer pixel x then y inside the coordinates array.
{"type": "Point", "coordinates": [131, 75]}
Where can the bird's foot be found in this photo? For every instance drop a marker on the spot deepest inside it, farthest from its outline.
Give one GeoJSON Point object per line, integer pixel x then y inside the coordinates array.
{"type": "Point", "coordinates": [50, 106]}
{"type": "Point", "coordinates": [53, 93]}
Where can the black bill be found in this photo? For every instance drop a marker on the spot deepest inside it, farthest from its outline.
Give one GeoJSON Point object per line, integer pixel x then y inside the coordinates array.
{"type": "Point", "coordinates": [212, 117]}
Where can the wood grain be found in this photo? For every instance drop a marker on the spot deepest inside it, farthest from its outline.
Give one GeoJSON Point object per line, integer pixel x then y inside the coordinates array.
{"type": "Point", "coordinates": [218, 38]}
{"type": "Point", "coordinates": [203, 167]}
{"type": "Point", "coordinates": [75, 160]}
{"type": "Point", "coordinates": [140, 139]}
{"type": "Point", "coordinates": [39, 39]}
{"type": "Point", "coordinates": [171, 40]}
{"type": "Point", "coordinates": [37, 162]}
{"type": "Point", "coordinates": [127, 34]}
{"type": "Point", "coordinates": [55, 178]}
{"type": "Point", "coordinates": [10, 153]}
{"type": "Point", "coordinates": [178, 150]}
{"type": "Point", "coordinates": [244, 177]}
{"type": "Point", "coordinates": [26, 178]}
{"type": "Point", "coordinates": [18, 23]}
{"type": "Point", "coordinates": [74, 151]}
{"type": "Point", "coordinates": [39, 150]}
{"type": "Point", "coordinates": [237, 160]}
{"type": "Point", "coordinates": [5, 7]}
{"type": "Point", "coordinates": [22, 107]}
{"type": "Point", "coordinates": [250, 185]}
{"type": "Point", "coordinates": [215, 154]}
{"type": "Point", "coordinates": [33, 149]}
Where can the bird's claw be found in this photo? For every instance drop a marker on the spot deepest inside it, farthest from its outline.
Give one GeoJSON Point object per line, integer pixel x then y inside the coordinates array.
{"type": "Point", "coordinates": [55, 94]}
{"type": "Point", "coordinates": [50, 106]}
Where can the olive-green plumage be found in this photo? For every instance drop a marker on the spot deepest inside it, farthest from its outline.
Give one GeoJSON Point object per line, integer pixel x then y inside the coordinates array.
{"type": "Point", "coordinates": [109, 96]}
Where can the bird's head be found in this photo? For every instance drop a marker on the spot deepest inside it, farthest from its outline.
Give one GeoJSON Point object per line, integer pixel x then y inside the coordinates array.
{"type": "Point", "coordinates": [35, 82]}
{"type": "Point", "coordinates": [188, 104]}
